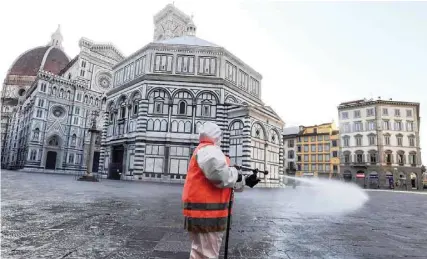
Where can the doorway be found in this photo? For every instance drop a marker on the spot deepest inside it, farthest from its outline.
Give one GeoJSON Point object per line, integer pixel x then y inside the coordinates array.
{"type": "Point", "coordinates": [413, 181]}
{"type": "Point", "coordinates": [95, 162]}
{"type": "Point", "coordinates": [116, 166]}
{"type": "Point", "coordinates": [51, 160]}
{"type": "Point", "coordinates": [347, 176]}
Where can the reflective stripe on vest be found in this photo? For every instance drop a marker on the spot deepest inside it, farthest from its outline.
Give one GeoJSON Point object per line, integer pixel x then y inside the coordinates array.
{"type": "Point", "coordinates": [205, 205]}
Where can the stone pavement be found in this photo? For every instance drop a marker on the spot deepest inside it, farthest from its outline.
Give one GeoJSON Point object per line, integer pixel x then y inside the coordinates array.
{"type": "Point", "coordinates": [55, 216]}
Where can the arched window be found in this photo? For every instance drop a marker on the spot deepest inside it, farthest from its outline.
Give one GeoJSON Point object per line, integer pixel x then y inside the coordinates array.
{"type": "Point", "coordinates": [197, 127]}
{"type": "Point", "coordinates": [164, 126]}
{"type": "Point", "coordinates": [188, 127]}
{"type": "Point", "coordinates": [135, 108]}
{"type": "Point", "coordinates": [136, 97]}
{"type": "Point", "coordinates": [96, 102]}
{"type": "Point", "coordinates": [206, 105]}
{"type": "Point", "coordinates": [61, 93]}
{"type": "Point", "coordinates": [273, 158]}
{"type": "Point", "coordinates": [182, 103]}
{"type": "Point", "coordinates": [158, 102]}
{"type": "Point", "coordinates": [206, 109]}
{"type": "Point", "coordinates": [257, 131]}
{"type": "Point", "coordinates": [150, 125]}
{"type": "Point", "coordinates": [68, 95]}
{"type": "Point", "coordinates": [91, 100]}
{"type": "Point", "coordinates": [54, 91]}
{"type": "Point", "coordinates": [274, 137]}
{"type": "Point", "coordinates": [123, 111]}
{"type": "Point", "coordinates": [258, 146]}
{"type": "Point", "coordinates": [182, 108]}
{"type": "Point", "coordinates": [86, 99]}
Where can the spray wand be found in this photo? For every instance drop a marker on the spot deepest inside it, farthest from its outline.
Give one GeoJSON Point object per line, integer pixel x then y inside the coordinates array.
{"type": "Point", "coordinates": [227, 233]}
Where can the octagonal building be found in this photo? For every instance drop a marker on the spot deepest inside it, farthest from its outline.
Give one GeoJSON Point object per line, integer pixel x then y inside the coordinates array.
{"type": "Point", "coordinates": [163, 92]}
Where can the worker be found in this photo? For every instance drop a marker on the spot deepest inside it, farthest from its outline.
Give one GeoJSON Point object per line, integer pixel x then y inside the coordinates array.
{"type": "Point", "coordinates": [207, 191]}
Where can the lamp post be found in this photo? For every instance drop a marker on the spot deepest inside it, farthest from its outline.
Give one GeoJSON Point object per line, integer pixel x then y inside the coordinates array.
{"type": "Point", "coordinates": [89, 156]}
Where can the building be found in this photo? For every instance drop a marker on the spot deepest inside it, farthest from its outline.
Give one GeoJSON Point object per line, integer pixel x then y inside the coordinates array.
{"type": "Point", "coordinates": [290, 138]}
{"type": "Point", "coordinates": [380, 143]}
{"type": "Point", "coordinates": [19, 78]}
{"type": "Point", "coordinates": [164, 91]}
{"type": "Point", "coordinates": [151, 105]}
{"type": "Point", "coordinates": [50, 99]}
{"type": "Point", "coordinates": [313, 150]}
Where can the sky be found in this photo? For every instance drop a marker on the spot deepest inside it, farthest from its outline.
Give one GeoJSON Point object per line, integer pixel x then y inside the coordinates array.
{"type": "Point", "coordinates": [312, 55]}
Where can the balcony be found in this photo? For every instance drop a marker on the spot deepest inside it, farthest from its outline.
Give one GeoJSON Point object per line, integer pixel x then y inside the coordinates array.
{"type": "Point", "coordinates": [359, 164]}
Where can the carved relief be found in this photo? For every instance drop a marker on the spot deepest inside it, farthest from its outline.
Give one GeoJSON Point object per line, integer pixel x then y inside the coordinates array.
{"type": "Point", "coordinates": [103, 81]}
{"type": "Point", "coordinates": [169, 27]}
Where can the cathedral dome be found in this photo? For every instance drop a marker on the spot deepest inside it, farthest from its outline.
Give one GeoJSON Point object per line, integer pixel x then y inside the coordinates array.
{"type": "Point", "coordinates": [48, 58]}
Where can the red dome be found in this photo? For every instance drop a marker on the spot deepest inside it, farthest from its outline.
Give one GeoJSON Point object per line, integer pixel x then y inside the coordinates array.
{"type": "Point", "coordinates": [47, 58]}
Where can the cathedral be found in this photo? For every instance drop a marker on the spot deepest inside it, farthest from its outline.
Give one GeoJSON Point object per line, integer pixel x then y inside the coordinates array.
{"type": "Point", "coordinates": [150, 105]}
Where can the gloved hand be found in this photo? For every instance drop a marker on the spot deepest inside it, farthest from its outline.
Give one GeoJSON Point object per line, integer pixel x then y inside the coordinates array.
{"type": "Point", "coordinates": [252, 180]}
{"type": "Point", "coordinates": [240, 183]}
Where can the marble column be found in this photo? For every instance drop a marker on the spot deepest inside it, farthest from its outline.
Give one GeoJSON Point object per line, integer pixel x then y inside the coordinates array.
{"type": "Point", "coordinates": [93, 134]}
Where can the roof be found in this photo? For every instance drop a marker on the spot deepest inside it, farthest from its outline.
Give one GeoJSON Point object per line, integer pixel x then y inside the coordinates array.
{"type": "Point", "coordinates": [291, 130]}
{"type": "Point", "coordinates": [187, 40]}
{"type": "Point", "coordinates": [70, 64]}
{"type": "Point", "coordinates": [366, 102]}
{"type": "Point", "coordinates": [46, 58]}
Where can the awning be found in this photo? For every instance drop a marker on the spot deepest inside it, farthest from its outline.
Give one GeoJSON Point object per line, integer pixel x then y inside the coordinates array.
{"type": "Point", "coordinates": [308, 174]}
{"type": "Point", "coordinates": [360, 175]}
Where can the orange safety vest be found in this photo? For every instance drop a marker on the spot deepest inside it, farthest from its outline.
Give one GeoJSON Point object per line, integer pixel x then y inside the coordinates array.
{"type": "Point", "coordinates": [205, 205]}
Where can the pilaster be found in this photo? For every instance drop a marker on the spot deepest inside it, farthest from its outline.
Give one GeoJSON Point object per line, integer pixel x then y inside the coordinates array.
{"type": "Point", "coordinates": [281, 158]}
{"type": "Point", "coordinates": [103, 152]}
{"type": "Point", "coordinates": [141, 129]}
{"type": "Point", "coordinates": [246, 152]}
{"type": "Point", "coordinates": [221, 118]}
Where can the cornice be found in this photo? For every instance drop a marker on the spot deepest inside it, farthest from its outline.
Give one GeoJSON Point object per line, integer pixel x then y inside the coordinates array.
{"type": "Point", "coordinates": [351, 105]}
{"type": "Point", "coordinates": [215, 51]}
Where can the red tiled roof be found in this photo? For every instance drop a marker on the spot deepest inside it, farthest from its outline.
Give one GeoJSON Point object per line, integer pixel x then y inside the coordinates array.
{"type": "Point", "coordinates": [30, 62]}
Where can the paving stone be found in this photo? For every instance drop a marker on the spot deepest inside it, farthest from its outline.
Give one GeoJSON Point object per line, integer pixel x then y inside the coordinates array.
{"type": "Point", "coordinates": [173, 246]}
{"type": "Point", "coordinates": [117, 219]}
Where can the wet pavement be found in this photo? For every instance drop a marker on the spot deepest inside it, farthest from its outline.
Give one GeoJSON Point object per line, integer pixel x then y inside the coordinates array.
{"type": "Point", "coordinates": [55, 216]}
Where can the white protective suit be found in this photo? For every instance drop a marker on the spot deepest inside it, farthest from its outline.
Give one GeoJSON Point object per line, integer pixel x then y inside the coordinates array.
{"type": "Point", "coordinates": [213, 163]}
